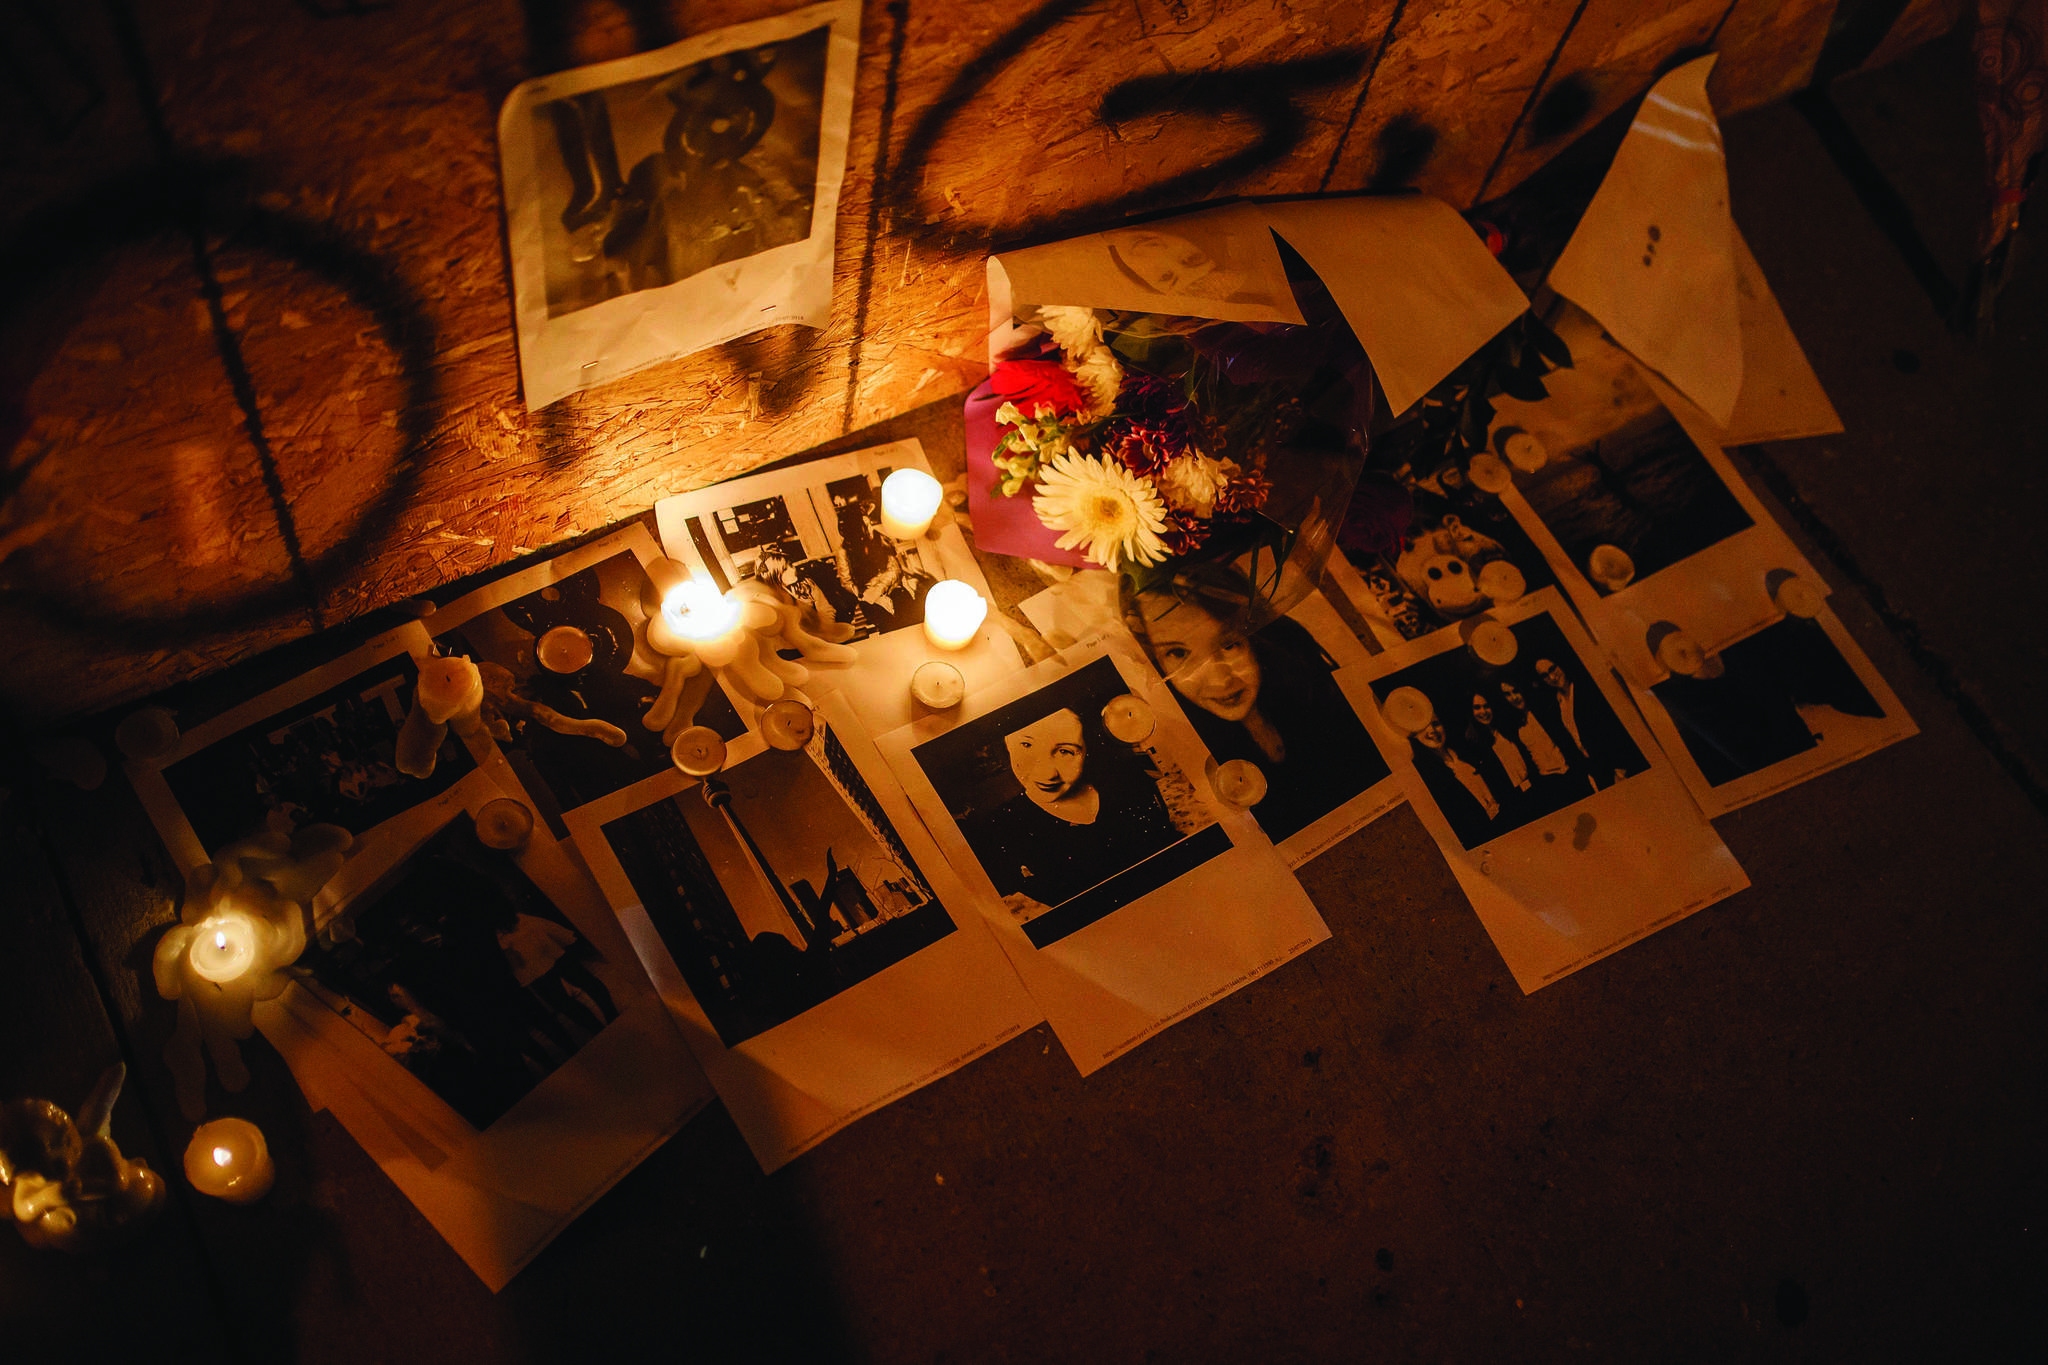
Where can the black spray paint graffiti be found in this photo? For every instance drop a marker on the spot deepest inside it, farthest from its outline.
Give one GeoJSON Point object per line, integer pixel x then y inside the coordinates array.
{"type": "Point", "coordinates": [783, 367]}
{"type": "Point", "coordinates": [1266, 94]}
{"type": "Point", "coordinates": [159, 205]}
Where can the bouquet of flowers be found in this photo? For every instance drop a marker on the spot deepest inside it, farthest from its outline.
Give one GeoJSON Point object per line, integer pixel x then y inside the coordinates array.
{"type": "Point", "coordinates": [1194, 394]}
{"type": "Point", "coordinates": [1147, 440]}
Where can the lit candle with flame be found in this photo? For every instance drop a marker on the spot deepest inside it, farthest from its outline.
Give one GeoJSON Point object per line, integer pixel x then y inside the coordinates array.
{"type": "Point", "coordinates": [910, 499]}
{"type": "Point", "coordinates": [229, 1160]}
{"type": "Point", "coordinates": [224, 947]}
{"type": "Point", "coordinates": [953, 613]}
{"type": "Point", "coordinates": [698, 616]}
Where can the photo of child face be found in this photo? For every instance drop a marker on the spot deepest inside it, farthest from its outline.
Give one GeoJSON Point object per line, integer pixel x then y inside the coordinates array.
{"type": "Point", "coordinates": [1208, 663]}
{"type": "Point", "coordinates": [1047, 756]}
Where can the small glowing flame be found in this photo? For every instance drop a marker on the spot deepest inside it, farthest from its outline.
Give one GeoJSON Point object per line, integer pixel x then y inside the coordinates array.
{"type": "Point", "coordinates": [697, 610]}
{"type": "Point", "coordinates": [220, 940]}
{"type": "Point", "coordinates": [222, 1156]}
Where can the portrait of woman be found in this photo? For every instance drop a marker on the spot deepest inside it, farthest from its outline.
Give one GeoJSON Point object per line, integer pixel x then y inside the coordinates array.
{"type": "Point", "coordinates": [1498, 754]}
{"type": "Point", "coordinates": [1269, 697]}
{"type": "Point", "coordinates": [1172, 265]}
{"type": "Point", "coordinates": [1086, 808]}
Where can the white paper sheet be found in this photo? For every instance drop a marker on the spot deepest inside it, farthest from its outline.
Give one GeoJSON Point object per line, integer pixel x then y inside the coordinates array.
{"type": "Point", "coordinates": [1411, 277]}
{"type": "Point", "coordinates": [1153, 901]}
{"type": "Point", "coordinates": [1654, 256]}
{"type": "Point", "coordinates": [1596, 853]}
{"type": "Point", "coordinates": [826, 968]}
{"type": "Point", "coordinates": [669, 201]}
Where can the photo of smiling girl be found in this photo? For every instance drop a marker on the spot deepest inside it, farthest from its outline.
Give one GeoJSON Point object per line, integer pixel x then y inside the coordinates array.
{"type": "Point", "coordinates": [1269, 697]}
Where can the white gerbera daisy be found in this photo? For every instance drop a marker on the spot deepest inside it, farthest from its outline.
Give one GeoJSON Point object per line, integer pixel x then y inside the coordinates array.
{"type": "Point", "coordinates": [1106, 511]}
{"type": "Point", "coordinates": [1074, 330]}
{"type": "Point", "coordinates": [1191, 483]}
{"type": "Point", "coordinates": [1101, 378]}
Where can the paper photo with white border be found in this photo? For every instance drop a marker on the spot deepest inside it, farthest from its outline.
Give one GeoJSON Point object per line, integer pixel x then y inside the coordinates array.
{"type": "Point", "coordinates": [1791, 700]}
{"type": "Point", "coordinates": [485, 1004]}
{"type": "Point", "coordinates": [815, 529]}
{"type": "Point", "coordinates": [1636, 511]}
{"type": "Point", "coordinates": [1274, 701]}
{"type": "Point", "coordinates": [809, 938]}
{"type": "Point", "coordinates": [1569, 830]}
{"type": "Point", "coordinates": [320, 749]}
{"type": "Point", "coordinates": [568, 674]}
{"type": "Point", "coordinates": [1071, 800]}
{"type": "Point", "coordinates": [666, 202]}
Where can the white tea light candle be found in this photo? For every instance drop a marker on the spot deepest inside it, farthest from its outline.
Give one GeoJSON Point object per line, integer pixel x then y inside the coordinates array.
{"type": "Point", "coordinates": [953, 613]}
{"type": "Point", "coordinates": [910, 498]}
{"type": "Point", "coordinates": [938, 685]}
{"type": "Point", "coordinates": [787, 724]}
{"type": "Point", "coordinates": [504, 824]}
{"type": "Point", "coordinates": [698, 751]}
{"type": "Point", "coordinates": [229, 1160]}
{"type": "Point", "coordinates": [224, 946]}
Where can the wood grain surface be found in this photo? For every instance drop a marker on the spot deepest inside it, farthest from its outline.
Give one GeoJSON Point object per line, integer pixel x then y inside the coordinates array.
{"type": "Point", "coordinates": [262, 371]}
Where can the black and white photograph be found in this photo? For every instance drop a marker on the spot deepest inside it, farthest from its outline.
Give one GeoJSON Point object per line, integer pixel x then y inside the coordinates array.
{"type": "Point", "coordinates": [1793, 700]}
{"type": "Point", "coordinates": [1459, 551]}
{"type": "Point", "coordinates": [460, 970]}
{"type": "Point", "coordinates": [566, 684]}
{"type": "Point", "coordinates": [654, 180]}
{"type": "Point", "coordinates": [1638, 499]}
{"type": "Point", "coordinates": [824, 543]}
{"type": "Point", "coordinates": [1572, 834]}
{"type": "Point", "coordinates": [1501, 746]}
{"type": "Point", "coordinates": [328, 758]}
{"type": "Point", "coordinates": [1271, 698]}
{"type": "Point", "coordinates": [1068, 821]}
{"type": "Point", "coordinates": [776, 885]}
{"type": "Point", "coordinates": [669, 201]}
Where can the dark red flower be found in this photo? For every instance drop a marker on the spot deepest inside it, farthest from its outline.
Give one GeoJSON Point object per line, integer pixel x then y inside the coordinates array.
{"type": "Point", "coordinates": [1038, 387]}
{"type": "Point", "coordinates": [1378, 519]}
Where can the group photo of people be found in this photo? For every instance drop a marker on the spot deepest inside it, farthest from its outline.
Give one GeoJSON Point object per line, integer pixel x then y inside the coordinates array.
{"type": "Point", "coordinates": [1499, 746]}
{"type": "Point", "coordinates": [464, 973]}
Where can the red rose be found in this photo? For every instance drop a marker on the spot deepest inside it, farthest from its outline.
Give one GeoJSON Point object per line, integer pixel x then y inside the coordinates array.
{"type": "Point", "coordinates": [1038, 386]}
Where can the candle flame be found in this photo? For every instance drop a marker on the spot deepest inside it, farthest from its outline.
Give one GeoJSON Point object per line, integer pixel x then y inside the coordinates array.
{"type": "Point", "coordinates": [697, 610]}
{"type": "Point", "coordinates": [222, 1156]}
{"type": "Point", "coordinates": [220, 940]}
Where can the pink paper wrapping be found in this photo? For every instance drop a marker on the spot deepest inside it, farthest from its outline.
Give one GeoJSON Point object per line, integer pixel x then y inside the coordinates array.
{"type": "Point", "coordinates": [1007, 526]}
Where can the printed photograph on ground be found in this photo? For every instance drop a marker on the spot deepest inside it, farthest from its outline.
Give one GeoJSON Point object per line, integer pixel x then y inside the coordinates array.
{"type": "Point", "coordinates": [1068, 809]}
{"type": "Point", "coordinates": [461, 971]}
{"type": "Point", "coordinates": [329, 759]}
{"type": "Point", "coordinates": [565, 690]}
{"type": "Point", "coordinates": [824, 544]}
{"type": "Point", "coordinates": [1500, 746]}
{"type": "Point", "coordinates": [776, 885]}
